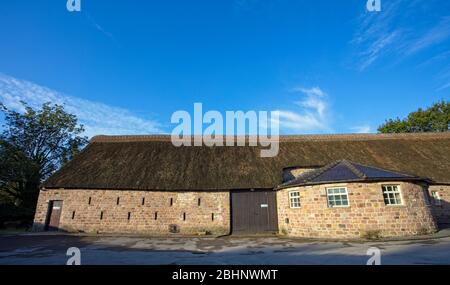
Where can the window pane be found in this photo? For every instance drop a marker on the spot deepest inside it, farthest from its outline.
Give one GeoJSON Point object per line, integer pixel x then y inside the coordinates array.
{"type": "Point", "coordinates": [337, 197]}
{"type": "Point", "coordinates": [294, 199]}
{"type": "Point", "coordinates": [391, 194]}
{"type": "Point", "coordinates": [345, 201]}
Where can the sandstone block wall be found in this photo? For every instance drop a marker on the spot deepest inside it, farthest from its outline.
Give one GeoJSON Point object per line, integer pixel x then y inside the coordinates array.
{"type": "Point", "coordinates": [366, 214]}
{"type": "Point", "coordinates": [151, 212]}
{"type": "Point", "coordinates": [145, 212]}
{"type": "Point", "coordinates": [441, 211]}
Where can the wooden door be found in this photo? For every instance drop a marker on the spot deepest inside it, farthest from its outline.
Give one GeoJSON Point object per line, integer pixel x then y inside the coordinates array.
{"type": "Point", "coordinates": [53, 216]}
{"type": "Point", "coordinates": [254, 212]}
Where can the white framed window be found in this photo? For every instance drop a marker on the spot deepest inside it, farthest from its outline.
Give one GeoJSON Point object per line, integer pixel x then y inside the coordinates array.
{"type": "Point", "coordinates": [337, 197]}
{"type": "Point", "coordinates": [294, 199]}
{"type": "Point", "coordinates": [436, 198]}
{"type": "Point", "coordinates": [392, 195]}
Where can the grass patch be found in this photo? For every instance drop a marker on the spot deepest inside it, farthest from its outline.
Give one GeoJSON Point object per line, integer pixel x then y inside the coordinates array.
{"type": "Point", "coordinates": [372, 235]}
{"type": "Point", "coordinates": [12, 231]}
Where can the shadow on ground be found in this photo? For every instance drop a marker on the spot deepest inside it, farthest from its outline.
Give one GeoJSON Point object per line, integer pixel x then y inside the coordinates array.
{"type": "Point", "coordinates": [51, 249]}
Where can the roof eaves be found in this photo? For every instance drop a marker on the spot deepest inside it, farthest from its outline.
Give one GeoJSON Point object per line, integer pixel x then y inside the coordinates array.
{"type": "Point", "coordinates": [381, 179]}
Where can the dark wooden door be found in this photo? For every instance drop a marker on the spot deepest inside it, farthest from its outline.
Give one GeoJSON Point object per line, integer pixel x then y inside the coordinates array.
{"type": "Point", "coordinates": [253, 212]}
{"type": "Point", "coordinates": [54, 215]}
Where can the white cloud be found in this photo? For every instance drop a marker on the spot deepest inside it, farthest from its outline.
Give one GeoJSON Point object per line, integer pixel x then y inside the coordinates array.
{"type": "Point", "coordinates": [376, 49]}
{"type": "Point", "coordinates": [436, 35]}
{"type": "Point", "coordinates": [314, 91]}
{"type": "Point", "coordinates": [443, 87]}
{"type": "Point", "coordinates": [389, 32]}
{"type": "Point", "coordinates": [99, 28]}
{"type": "Point", "coordinates": [98, 118]}
{"type": "Point", "coordinates": [363, 129]}
{"type": "Point", "coordinates": [313, 116]}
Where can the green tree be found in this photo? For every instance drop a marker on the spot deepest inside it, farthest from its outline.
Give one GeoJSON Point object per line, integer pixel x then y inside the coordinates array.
{"type": "Point", "coordinates": [434, 119]}
{"type": "Point", "coordinates": [33, 145]}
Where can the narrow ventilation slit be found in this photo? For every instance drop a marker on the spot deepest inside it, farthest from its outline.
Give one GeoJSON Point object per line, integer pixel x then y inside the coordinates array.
{"type": "Point", "coordinates": [156, 216]}
{"type": "Point", "coordinates": [73, 215]}
{"type": "Point", "coordinates": [143, 201]}
{"type": "Point", "coordinates": [199, 202]}
{"type": "Point", "coordinates": [118, 200]}
{"type": "Point", "coordinates": [171, 202]}
{"type": "Point", "coordinates": [212, 217]}
{"type": "Point", "coordinates": [184, 216]}
{"type": "Point", "coordinates": [90, 200]}
{"type": "Point", "coordinates": [101, 215]}
{"type": "Point", "coordinates": [129, 216]}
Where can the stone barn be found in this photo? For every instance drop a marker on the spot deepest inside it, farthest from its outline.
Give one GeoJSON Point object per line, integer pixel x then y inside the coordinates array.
{"type": "Point", "coordinates": [319, 186]}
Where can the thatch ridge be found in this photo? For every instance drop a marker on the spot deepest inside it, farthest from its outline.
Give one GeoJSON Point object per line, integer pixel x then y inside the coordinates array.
{"type": "Point", "coordinates": [153, 163]}
{"type": "Point", "coordinates": [283, 138]}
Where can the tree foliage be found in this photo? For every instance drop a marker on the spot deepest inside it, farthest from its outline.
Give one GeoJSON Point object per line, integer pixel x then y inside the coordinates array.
{"type": "Point", "coordinates": [434, 119]}
{"type": "Point", "coordinates": [33, 145]}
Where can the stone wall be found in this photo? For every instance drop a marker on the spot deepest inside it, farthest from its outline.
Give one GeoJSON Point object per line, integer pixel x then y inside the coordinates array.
{"type": "Point", "coordinates": [151, 212]}
{"type": "Point", "coordinates": [441, 209]}
{"type": "Point", "coordinates": [145, 212]}
{"type": "Point", "coordinates": [366, 215]}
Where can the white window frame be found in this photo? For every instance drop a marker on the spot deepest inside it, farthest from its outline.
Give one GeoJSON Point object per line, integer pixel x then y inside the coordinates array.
{"type": "Point", "coordinates": [399, 191]}
{"type": "Point", "coordinates": [437, 201]}
{"type": "Point", "coordinates": [294, 201]}
{"type": "Point", "coordinates": [337, 194]}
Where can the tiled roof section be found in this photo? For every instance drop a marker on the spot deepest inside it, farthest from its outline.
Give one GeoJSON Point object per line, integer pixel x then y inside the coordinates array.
{"type": "Point", "coordinates": [346, 171]}
{"type": "Point", "coordinates": [374, 172]}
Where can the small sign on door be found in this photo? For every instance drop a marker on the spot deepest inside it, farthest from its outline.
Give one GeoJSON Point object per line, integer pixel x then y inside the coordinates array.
{"type": "Point", "coordinates": [264, 206]}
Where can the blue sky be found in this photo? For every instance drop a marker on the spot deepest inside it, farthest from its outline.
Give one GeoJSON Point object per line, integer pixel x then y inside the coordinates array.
{"type": "Point", "coordinates": [125, 66]}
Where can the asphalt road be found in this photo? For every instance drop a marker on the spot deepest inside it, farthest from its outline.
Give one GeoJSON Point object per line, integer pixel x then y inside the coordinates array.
{"type": "Point", "coordinates": [30, 249]}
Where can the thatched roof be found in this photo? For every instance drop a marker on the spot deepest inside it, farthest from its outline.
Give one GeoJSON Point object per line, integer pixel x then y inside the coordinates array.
{"type": "Point", "coordinates": [153, 163]}
{"type": "Point", "coordinates": [348, 171]}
